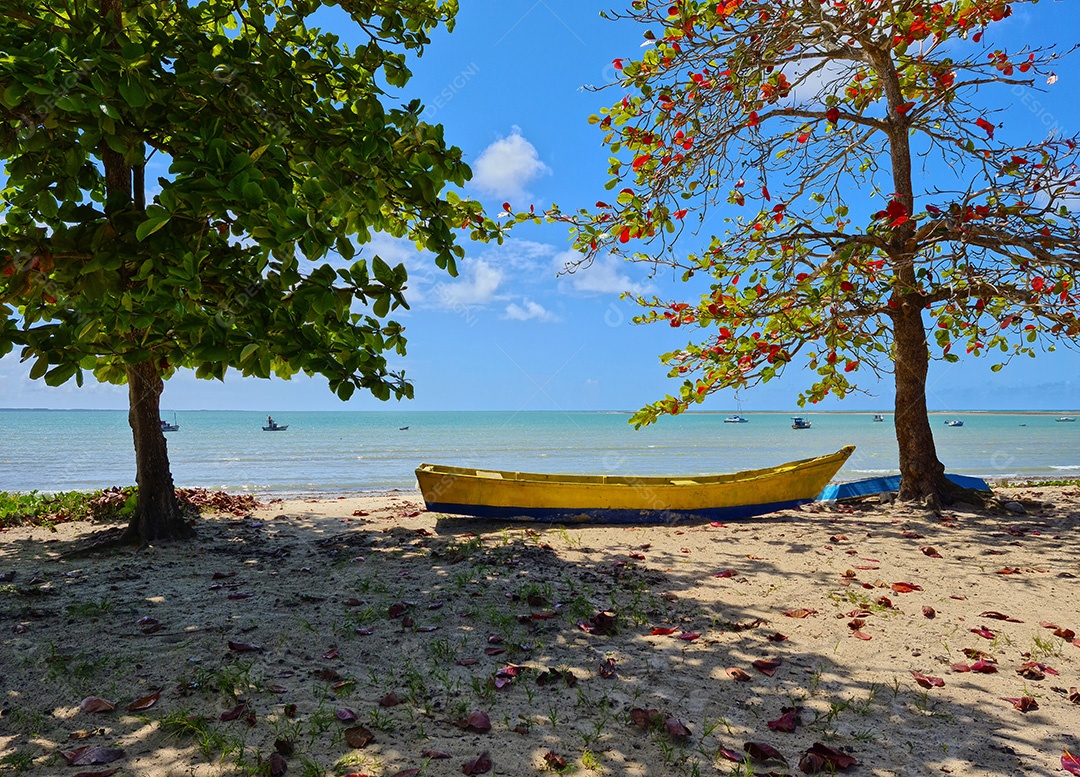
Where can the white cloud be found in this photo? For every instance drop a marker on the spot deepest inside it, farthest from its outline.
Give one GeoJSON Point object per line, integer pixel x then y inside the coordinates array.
{"type": "Point", "coordinates": [528, 311]}
{"type": "Point", "coordinates": [476, 285]}
{"type": "Point", "coordinates": [606, 275]}
{"type": "Point", "coordinates": [506, 167]}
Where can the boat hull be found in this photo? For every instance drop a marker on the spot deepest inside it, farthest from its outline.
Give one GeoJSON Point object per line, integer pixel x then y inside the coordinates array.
{"type": "Point", "coordinates": [625, 500]}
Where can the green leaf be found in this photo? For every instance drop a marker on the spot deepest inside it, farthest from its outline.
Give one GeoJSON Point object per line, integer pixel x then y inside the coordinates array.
{"type": "Point", "coordinates": [150, 226]}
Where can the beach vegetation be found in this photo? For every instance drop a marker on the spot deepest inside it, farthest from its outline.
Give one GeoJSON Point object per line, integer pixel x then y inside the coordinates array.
{"type": "Point", "coordinates": [196, 186]}
{"type": "Point", "coordinates": [848, 190]}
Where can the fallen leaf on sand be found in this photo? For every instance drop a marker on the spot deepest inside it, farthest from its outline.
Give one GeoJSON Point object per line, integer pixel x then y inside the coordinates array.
{"type": "Point", "coordinates": [800, 612]}
{"type": "Point", "coordinates": [555, 762]}
{"type": "Point", "coordinates": [1024, 703]}
{"type": "Point", "coordinates": [926, 681]}
{"type": "Point", "coordinates": [662, 631]}
{"type": "Point", "coordinates": [763, 753]}
{"type": "Point", "coordinates": [145, 703]}
{"type": "Point", "coordinates": [820, 758]}
{"type": "Point", "coordinates": [930, 551]}
{"type": "Point", "coordinates": [235, 712]}
{"type": "Point", "coordinates": [787, 721]}
{"type": "Point", "coordinates": [1070, 762]}
{"type": "Point", "coordinates": [905, 588]}
{"type": "Point", "coordinates": [998, 616]}
{"type": "Point", "coordinates": [477, 721]}
{"type": "Point", "coordinates": [767, 666]}
{"type": "Point", "coordinates": [738, 674]}
{"type": "Point", "coordinates": [358, 737]}
{"type": "Point", "coordinates": [96, 704]}
{"type": "Point", "coordinates": [479, 765]}
{"type": "Point", "coordinates": [92, 755]}
{"type": "Point", "coordinates": [675, 727]}
{"type": "Point", "coordinates": [928, 611]}
{"type": "Point", "coordinates": [984, 632]}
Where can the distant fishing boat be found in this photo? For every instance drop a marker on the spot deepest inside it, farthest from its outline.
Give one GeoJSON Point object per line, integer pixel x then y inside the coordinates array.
{"type": "Point", "coordinates": [1066, 418]}
{"type": "Point", "coordinates": [955, 422]}
{"type": "Point", "coordinates": [274, 426]}
{"type": "Point", "coordinates": [736, 419]}
{"type": "Point", "coordinates": [878, 417]}
{"type": "Point", "coordinates": [798, 422]}
{"type": "Point", "coordinates": [167, 427]}
{"type": "Point", "coordinates": [403, 428]}
{"type": "Point", "coordinates": [531, 496]}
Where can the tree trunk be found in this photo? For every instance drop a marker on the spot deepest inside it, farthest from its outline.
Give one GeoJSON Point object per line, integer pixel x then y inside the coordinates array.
{"type": "Point", "coordinates": [157, 516]}
{"type": "Point", "coordinates": [922, 476]}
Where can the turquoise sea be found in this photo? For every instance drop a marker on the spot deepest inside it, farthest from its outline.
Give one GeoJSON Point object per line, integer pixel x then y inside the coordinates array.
{"type": "Point", "coordinates": [330, 453]}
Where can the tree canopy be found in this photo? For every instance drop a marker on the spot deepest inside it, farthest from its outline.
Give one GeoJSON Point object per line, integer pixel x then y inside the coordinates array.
{"type": "Point", "coordinates": [280, 153]}
{"type": "Point", "coordinates": [850, 187]}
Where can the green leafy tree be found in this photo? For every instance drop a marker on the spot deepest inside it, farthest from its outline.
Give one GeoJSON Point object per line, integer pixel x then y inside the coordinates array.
{"type": "Point", "coordinates": [280, 151]}
{"type": "Point", "coordinates": [867, 199]}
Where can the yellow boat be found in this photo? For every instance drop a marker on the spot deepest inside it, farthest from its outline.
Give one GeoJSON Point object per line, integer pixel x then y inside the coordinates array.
{"type": "Point", "coordinates": [531, 496]}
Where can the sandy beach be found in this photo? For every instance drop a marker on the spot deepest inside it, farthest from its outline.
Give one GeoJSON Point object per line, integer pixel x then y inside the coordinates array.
{"type": "Point", "coordinates": [367, 636]}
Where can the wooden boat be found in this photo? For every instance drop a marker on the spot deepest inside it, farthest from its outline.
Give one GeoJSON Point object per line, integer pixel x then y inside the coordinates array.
{"type": "Point", "coordinates": [878, 417]}
{"type": "Point", "coordinates": [956, 422]}
{"type": "Point", "coordinates": [274, 426]}
{"type": "Point", "coordinates": [798, 422]}
{"type": "Point", "coordinates": [167, 427]}
{"type": "Point", "coordinates": [1066, 419]}
{"type": "Point", "coordinates": [736, 419]}
{"type": "Point", "coordinates": [625, 500]}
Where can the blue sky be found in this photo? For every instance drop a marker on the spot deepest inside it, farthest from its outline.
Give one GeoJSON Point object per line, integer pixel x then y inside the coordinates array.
{"type": "Point", "coordinates": [509, 333]}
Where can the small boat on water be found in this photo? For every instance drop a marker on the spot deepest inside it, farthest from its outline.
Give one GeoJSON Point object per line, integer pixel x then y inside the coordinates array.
{"type": "Point", "coordinates": [954, 422]}
{"type": "Point", "coordinates": [798, 422]}
{"type": "Point", "coordinates": [274, 426]}
{"type": "Point", "coordinates": [530, 496]}
{"type": "Point", "coordinates": [878, 417]}
{"type": "Point", "coordinates": [736, 419]}
{"type": "Point", "coordinates": [403, 428]}
{"type": "Point", "coordinates": [1066, 418]}
{"type": "Point", "coordinates": [167, 427]}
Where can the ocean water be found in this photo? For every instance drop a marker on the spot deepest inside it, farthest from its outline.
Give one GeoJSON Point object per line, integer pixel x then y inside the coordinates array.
{"type": "Point", "coordinates": [331, 453]}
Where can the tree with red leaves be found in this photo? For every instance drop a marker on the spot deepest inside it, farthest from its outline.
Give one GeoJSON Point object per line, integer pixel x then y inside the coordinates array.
{"type": "Point", "coordinates": [866, 200]}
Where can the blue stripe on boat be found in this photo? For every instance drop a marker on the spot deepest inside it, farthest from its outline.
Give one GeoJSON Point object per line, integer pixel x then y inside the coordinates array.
{"type": "Point", "coordinates": [624, 517]}
{"type": "Point", "coordinates": [870, 486]}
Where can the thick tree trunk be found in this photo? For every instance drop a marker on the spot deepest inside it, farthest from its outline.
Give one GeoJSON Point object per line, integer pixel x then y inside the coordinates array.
{"type": "Point", "coordinates": [157, 515]}
{"type": "Point", "coordinates": [922, 475]}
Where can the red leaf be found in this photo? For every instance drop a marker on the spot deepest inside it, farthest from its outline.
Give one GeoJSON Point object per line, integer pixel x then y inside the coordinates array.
{"type": "Point", "coordinates": [762, 753]}
{"type": "Point", "coordinates": [106, 773]}
{"type": "Point", "coordinates": [145, 703]}
{"type": "Point", "coordinates": [829, 759]}
{"type": "Point", "coordinates": [675, 727]}
{"type": "Point", "coordinates": [984, 667]}
{"type": "Point", "coordinates": [833, 115]}
{"type": "Point", "coordinates": [643, 718]}
{"type": "Point", "coordinates": [928, 611]}
{"type": "Point", "coordinates": [688, 636]}
{"type": "Point", "coordinates": [930, 551]}
{"type": "Point", "coordinates": [478, 721]}
{"type": "Point", "coordinates": [331, 654]}
{"type": "Point", "coordinates": [1024, 703]}
{"type": "Point", "coordinates": [905, 588]}
{"type": "Point", "coordinates": [984, 632]}
{"type": "Point", "coordinates": [479, 765]}
{"type": "Point", "coordinates": [787, 721]}
{"type": "Point", "coordinates": [555, 762]}
{"type": "Point", "coordinates": [904, 108]}
{"type": "Point", "coordinates": [768, 666]}
{"type": "Point", "coordinates": [998, 616]}
{"type": "Point", "coordinates": [345, 715]}
{"type": "Point", "coordinates": [801, 612]}
{"type": "Point", "coordinates": [927, 682]}
{"type": "Point", "coordinates": [235, 712]}
{"type": "Point", "coordinates": [803, 137]}
{"type": "Point", "coordinates": [738, 674]}
{"type": "Point", "coordinates": [390, 700]}
{"type": "Point", "coordinates": [1070, 763]}
{"type": "Point", "coordinates": [960, 666]}
{"type": "Point", "coordinates": [662, 631]}
{"type": "Point", "coordinates": [765, 193]}
{"type": "Point", "coordinates": [983, 124]}
{"type": "Point", "coordinates": [777, 637]}
{"type": "Point", "coordinates": [726, 573]}
{"type": "Point", "coordinates": [860, 634]}
{"type": "Point", "coordinates": [278, 765]}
